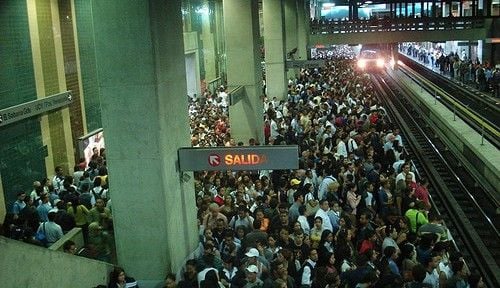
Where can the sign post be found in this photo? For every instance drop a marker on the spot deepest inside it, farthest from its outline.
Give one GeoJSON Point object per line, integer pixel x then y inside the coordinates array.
{"type": "Point", "coordinates": [239, 158]}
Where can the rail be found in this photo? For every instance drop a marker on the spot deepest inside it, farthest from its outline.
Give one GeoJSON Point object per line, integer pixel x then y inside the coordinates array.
{"type": "Point", "coordinates": [395, 24]}
{"type": "Point", "coordinates": [480, 253]}
{"type": "Point", "coordinates": [466, 113]}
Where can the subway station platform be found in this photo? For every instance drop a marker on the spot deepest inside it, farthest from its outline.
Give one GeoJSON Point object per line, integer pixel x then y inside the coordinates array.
{"type": "Point", "coordinates": [479, 153]}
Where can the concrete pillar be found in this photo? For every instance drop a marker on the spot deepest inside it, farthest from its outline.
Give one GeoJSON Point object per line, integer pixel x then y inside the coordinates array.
{"type": "Point", "coordinates": [274, 44]}
{"type": "Point", "coordinates": [395, 55]}
{"type": "Point", "coordinates": [141, 80]}
{"type": "Point", "coordinates": [291, 35]}
{"type": "Point", "coordinates": [303, 29]}
{"type": "Point", "coordinates": [241, 26]}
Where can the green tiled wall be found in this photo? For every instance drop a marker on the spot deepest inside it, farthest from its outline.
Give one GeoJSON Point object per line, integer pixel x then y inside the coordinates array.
{"type": "Point", "coordinates": [85, 35]}
{"type": "Point", "coordinates": [21, 148]}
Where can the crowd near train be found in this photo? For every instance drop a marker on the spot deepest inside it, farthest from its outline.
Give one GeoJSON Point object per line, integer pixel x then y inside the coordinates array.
{"type": "Point", "coordinates": [355, 213]}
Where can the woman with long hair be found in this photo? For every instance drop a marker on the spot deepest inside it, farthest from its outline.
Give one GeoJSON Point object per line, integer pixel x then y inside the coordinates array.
{"type": "Point", "coordinates": [118, 279]}
{"type": "Point", "coordinates": [326, 244]}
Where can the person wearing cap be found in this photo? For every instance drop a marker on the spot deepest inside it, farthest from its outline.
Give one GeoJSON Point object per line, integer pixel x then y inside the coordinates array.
{"type": "Point", "coordinates": [251, 277]}
{"type": "Point", "coordinates": [294, 185]}
{"type": "Point", "coordinates": [253, 258]}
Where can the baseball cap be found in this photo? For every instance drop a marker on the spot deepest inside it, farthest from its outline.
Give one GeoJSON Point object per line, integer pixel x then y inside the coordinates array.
{"type": "Point", "coordinates": [252, 269]}
{"type": "Point", "coordinates": [252, 253]}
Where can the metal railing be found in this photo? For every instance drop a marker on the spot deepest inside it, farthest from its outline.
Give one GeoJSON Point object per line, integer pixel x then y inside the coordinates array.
{"type": "Point", "coordinates": [395, 24]}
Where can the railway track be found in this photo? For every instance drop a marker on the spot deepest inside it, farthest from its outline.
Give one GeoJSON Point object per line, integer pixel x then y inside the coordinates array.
{"type": "Point", "coordinates": [466, 207]}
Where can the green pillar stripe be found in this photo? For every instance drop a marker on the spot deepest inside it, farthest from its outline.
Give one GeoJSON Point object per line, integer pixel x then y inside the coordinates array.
{"type": "Point", "coordinates": [50, 79]}
{"type": "Point", "coordinates": [88, 65]}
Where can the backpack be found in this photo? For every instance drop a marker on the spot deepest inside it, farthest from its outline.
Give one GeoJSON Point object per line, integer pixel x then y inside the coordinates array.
{"type": "Point", "coordinates": [298, 279]}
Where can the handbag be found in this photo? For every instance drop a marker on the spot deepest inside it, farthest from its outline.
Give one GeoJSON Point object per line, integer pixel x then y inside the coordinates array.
{"type": "Point", "coordinates": [41, 236]}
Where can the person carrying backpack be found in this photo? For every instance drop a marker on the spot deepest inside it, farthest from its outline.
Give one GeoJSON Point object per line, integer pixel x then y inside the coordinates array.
{"type": "Point", "coordinates": [98, 191]}
{"type": "Point", "coordinates": [308, 269]}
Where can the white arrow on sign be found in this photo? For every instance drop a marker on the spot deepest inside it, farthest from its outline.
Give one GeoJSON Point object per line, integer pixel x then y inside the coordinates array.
{"type": "Point", "coordinates": [214, 160]}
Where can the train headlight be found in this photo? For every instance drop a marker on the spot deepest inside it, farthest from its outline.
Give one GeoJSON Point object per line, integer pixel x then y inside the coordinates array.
{"type": "Point", "coordinates": [362, 63]}
{"type": "Point", "coordinates": [380, 62]}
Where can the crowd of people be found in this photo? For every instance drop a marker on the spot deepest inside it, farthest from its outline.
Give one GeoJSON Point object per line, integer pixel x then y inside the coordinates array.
{"type": "Point", "coordinates": [458, 66]}
{"type": "Point", "coordinates": [55, 206]}
{"type": "Point", "coordinates": [354, 214]}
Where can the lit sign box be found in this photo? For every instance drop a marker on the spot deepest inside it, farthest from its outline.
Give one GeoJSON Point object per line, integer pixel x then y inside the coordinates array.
{"type": "Point", "coordinates": [239, 158]}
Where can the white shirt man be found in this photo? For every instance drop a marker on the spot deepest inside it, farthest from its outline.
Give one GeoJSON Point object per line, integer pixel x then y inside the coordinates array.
{"type": "Point", "coordinates": [323, 213]}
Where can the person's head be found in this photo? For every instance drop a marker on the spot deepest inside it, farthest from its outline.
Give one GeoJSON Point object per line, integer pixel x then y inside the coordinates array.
{"type": "Point", "coordinates": [336, 206]}
{"type": "Point", "coordinates": [313, 255]}
{"type": "Point", "coordinates": [364, 218]}
{"type": "Point", "coordinates": [99, 204]}
{"type": "Point", "coordinates": [390, 231]}
{"type": "Point", "coordinates": [324, 205]}
{"type": "Point", "coordinates": [21, 195]}
{"type": "Point", "coordinates": [408, 251]}
{"type": "Point", "coordinates": [69, 247]}
{"type": "Point", "coordinates": [52, 216]}
{"type": "Point", "coordinates": [251, 272]}
{"type": "Point", "coordinates": [279, 283]}
{"type": "Point", "coordinates": [191, 269]}
{"type": "Point", "coordinates": [302, 210]}
{"type": "Point", "coordinates": [170, 281]}
{"type": "Point", "coordinates": [214, 209]}
{"type": "Point", "coordinates": [211, 279]}
{"type": "Point", "coordinates": [271, 240]}
{"type": "Point", "coordinates": [97, 181]}
{"type": "Point", "coordinates": [475, 280]}
{"type": "Point", "coordinates": [371, 255]}
{"type": "Point", "coordinates": [406, 167]}
{"type": "Point", "coordinates": [284, 218]}
{"type": "Point", "coordinates": [326, 236]}
{"type": "Point", "coordinates": [318, 222]}
{"type": "Point", "coordinates": [391, 252]}
{"type": "Point", "coordinates": [435, 218]}
{"type": "Point", "coordinates": [209, 248]}
{"type": "Point", "coordinates": [431, 262]}
{"type": "Point", "coordinates": [242, 211]}
{"type": "Point", "coordinates": [419, 273]}
{"type": "Point", "coordinates": [58, 170]}
{"type": "Point", "coordinates": [117, 275]}
{"type": "Point", "coordinates": [298, 197]}
{"type": "Point", "coordinates": [284, 234]}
